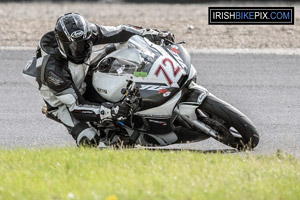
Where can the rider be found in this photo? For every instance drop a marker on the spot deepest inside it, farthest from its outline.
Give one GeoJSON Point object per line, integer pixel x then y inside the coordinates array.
{"type": "Point", "coordinates": [63, 59]}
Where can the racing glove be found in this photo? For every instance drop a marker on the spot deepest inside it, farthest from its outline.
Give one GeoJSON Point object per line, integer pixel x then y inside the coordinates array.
{"type": "Point", "coordinates": [156, 36]}
{"type": "Point", "coordinates": [117, 111]}
{"type": "Point", "coordinates": [166, 35]}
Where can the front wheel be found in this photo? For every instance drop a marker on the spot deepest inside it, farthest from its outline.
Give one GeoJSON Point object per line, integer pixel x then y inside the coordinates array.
{"type": "Point", "coordinates": [233, 127]}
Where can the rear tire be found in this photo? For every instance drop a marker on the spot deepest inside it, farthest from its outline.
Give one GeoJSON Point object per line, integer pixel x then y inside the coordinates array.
{"type": "Point", "coordinates": [240, 132]}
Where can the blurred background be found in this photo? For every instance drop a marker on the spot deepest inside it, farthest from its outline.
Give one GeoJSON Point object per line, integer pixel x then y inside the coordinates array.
{"type": "Point", "coordinates": [23, 22]}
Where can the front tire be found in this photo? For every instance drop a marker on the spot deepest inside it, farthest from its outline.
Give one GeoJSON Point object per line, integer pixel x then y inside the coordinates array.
{"type": "Point", "coordinates": [234, 128]}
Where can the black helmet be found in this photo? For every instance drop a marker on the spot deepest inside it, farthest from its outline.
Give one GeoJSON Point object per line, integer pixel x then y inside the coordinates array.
{"type": "Point", "coordinates": [73, 35]}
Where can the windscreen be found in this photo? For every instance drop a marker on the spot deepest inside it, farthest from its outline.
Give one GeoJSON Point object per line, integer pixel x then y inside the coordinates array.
{"type": "Point", "coordinates": [135, 56]}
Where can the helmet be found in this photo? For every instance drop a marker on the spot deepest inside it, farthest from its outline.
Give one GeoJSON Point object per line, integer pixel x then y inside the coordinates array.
{"type": "Point", "coordinates": [73, 35]}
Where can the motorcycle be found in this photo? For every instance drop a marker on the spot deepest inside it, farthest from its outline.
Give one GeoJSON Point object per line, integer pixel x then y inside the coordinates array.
{"type": "Point", "coordinates": [158, 82]}
{"type": "Point", "coordinates": [167, 106]}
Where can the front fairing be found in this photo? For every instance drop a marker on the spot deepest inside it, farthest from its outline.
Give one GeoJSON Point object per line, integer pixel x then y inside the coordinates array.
{"type": "Point", "coordinates": [158, 74]}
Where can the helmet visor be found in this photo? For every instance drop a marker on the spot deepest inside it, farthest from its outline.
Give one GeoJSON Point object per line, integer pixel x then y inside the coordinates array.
{"type": "Point", "coordinates": [77, 51]}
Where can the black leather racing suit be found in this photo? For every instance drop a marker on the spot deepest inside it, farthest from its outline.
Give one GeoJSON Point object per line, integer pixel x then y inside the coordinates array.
{"type": "Point", "coordinates": [61, 82]}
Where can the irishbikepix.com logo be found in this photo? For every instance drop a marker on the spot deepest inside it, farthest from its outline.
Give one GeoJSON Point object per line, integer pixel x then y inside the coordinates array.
{"type": "Point", "coordinates": [251, 15]}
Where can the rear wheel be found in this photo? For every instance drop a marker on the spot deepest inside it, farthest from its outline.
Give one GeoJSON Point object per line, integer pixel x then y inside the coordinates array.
{"type": "Point", "coordinates": [233, 127]}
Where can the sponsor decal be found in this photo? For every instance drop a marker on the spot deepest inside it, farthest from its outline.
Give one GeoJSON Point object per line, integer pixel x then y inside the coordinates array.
{"type": "Point", "coordinates": [140, 74]}
{"type": "Point", "coordinates": [251, 15]}
{"type": "Point", "coordinates": [121, 69]}
{"type": "Point", "coordinates": [77, 34]}
{"type": "Point", "coordinates": [100, 90]}
{"type": "Point", "coordinates": [162, 91]}
{"type": "Point", "coordinates": [28, 65]}
{"type": "Point", "coordinates": [152, 87]}
{"type": "Point", "coordinates": [175, 49]}
{"type": "Point", "coordinates": [160, 88]}
{"type": "Point", "coordinates": [165, 92]}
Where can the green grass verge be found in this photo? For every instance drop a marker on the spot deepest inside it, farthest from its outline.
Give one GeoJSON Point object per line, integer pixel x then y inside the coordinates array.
{"type": "Point", "coordinates": [73, 173]}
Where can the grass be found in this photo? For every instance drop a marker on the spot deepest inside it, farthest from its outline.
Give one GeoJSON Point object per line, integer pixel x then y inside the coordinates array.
{"type": "Point", "coordinates": [78, 173]}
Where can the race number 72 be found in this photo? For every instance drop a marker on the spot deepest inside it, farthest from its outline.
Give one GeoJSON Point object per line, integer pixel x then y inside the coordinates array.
{"type": "Point", "coordinates": [166, 75]}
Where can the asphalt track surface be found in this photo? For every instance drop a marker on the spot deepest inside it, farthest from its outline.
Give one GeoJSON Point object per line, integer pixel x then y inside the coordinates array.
{"type": "Point", "coordinates": [265, 87]}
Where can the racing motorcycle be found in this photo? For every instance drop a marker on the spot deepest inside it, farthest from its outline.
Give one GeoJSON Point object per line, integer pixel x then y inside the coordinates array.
{"type": "Point", "coordinates": [158, 82]}
{"type": "Point", "coordinates": [168, 107]}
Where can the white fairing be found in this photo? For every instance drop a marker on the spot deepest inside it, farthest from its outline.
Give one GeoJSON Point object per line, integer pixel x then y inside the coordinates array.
{"type": "Point", "coordinates": [109, 86]}
{"type": "Point", "coordinates": [164, 69]}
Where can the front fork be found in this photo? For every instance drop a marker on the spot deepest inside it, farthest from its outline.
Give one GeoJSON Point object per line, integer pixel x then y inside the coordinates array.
{"type": "Point", "coordinates": [187, 109]}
